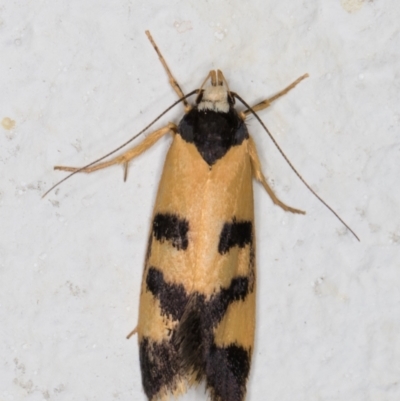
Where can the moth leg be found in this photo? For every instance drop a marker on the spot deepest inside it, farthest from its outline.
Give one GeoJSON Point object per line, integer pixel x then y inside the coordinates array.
{"type": "Point", "coordinates": [258, 175]}
{"type": "Point", "coordinates": [132, 333]}
{"type": "Point", "coordinates": [267, 102]}
{"type": "Point", "coordinates": [128, 155]}
{"type": "Point", "coordinates": [172, 80]}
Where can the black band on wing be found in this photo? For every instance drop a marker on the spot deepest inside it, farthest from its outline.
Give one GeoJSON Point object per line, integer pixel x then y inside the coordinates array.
{"type": "Point", "coordinates": [172, 297]}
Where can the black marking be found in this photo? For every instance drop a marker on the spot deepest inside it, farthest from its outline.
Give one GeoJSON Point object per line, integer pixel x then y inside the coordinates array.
{"type": "Point", "coordinates": [172, 297]}
{"type": "Point", "coordinates": [227, 371]}
{"type": "Point", "coordinates": [194, 335]}
{"type": "Point", "coordinates": [213, 133]}
{"type": "Point", "coordinates": [148, 251]}
{"type": "Point", "coordinates": [237, 291]}
{"type": "Point", "coordinates": [252, 270]}
{"type": "Point", "coordinates": [170, 227]}
{"type": "Point", "coordinates": [236, 233]}
{"type": "Point", "coordinates": [190, 348]}
{"type": "Point", "coordinates": [193, 338]}
{"type": "Point", "coordinates": [159, 364]}
{"type": "Point", "coordinates": [174, 301]}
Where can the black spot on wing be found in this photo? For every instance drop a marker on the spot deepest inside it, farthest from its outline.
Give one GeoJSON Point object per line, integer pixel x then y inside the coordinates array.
{"type": "Point", "coordinates": [172, 228]}
{"type": "Point", "coordinates": [227, 370]}
{"type": "Point", "coordinates": [172, 297]}
{"type": "Point", "coordinates": [159, 364]}
{"type": "Point", "coordinates": [213, 133]}
{"type": "Point", "coordinates": [235, 233]}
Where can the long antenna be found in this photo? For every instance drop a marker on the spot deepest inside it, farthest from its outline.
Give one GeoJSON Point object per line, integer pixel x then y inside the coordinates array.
{"type": "Point", "coordinates": [121, 146]}
{"type": "Point", "coordinates": [291, 165]}
{"type": "Point", "coordinates": [172, 80]}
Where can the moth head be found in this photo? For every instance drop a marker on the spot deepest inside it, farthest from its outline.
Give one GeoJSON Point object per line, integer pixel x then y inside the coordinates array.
{"type": "Point", "coordinates": [215, 96]}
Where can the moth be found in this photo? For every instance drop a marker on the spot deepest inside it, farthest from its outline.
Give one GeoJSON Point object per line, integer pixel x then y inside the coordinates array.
{"type": "Point", "coordinates": [197, 301]}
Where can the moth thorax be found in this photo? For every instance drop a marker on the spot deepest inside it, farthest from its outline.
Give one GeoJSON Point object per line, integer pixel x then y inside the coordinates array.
{"type": "Point", "coordinates": [214, 98]}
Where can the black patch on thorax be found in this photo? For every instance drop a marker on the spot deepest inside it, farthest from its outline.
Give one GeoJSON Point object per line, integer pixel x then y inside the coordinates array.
{"type": "Point", "coordinates": [213, 133]}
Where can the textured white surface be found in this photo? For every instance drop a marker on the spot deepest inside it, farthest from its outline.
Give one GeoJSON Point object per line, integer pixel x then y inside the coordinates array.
{"type": "Point", "coordinates": [79, 78]}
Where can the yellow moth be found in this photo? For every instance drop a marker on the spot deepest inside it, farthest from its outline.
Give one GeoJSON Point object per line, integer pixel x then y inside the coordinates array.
{"type": "Point", "coordinates": [197, 302]}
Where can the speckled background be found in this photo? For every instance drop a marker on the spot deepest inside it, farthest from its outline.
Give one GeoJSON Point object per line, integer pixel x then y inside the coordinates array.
{"type": "Point", "coordinates": [79, 77]}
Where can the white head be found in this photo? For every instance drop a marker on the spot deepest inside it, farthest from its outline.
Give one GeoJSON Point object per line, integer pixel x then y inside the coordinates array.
{"type": "Point", "coordinates": [215, 97]}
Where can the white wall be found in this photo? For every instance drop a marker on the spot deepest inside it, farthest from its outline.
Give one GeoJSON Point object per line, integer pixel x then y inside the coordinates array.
{"type": "Point", "coordinates": [79, 78]}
